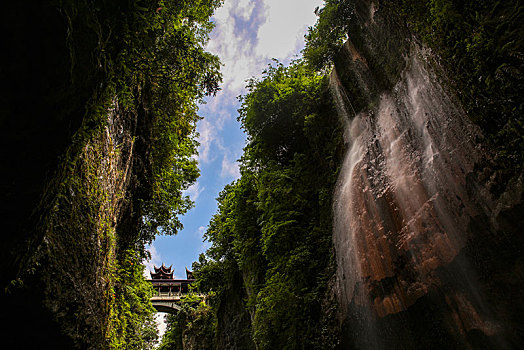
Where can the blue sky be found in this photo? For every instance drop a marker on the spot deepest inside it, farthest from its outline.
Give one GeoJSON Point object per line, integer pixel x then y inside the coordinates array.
{"type": "Point", "coordinates": [248, 34]}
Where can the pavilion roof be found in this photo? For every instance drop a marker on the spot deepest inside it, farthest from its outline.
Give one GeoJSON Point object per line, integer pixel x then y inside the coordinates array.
{"type": "Point", "coordinates": [162, 272]}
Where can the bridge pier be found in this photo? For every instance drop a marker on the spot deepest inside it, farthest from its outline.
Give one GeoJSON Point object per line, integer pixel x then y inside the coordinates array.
{"type": "Point", "coordinates": [170, 307]}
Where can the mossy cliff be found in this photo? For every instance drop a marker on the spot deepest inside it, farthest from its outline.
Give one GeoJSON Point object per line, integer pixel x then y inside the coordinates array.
{"type": "Point", "coordinates": [98, 118]}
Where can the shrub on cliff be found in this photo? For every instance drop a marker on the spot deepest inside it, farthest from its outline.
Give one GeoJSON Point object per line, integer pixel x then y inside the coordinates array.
{"type": "Point", "coordinates": [271, 237]}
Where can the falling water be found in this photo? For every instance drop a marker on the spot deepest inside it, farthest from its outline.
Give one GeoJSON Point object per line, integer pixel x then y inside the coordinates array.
{"type": "Point", "coordinates": [402, 207]}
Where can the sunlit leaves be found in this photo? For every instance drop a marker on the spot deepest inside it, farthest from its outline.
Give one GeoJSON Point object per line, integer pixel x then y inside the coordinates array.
{"type": "Point", "coordinates": [131, 324]}
{"type": "Point", "coordinates": [326, 37]}
{"type": "Point", "coordinates": [272, 113]}
{"type": "Point", "coordinates": [273, 225]}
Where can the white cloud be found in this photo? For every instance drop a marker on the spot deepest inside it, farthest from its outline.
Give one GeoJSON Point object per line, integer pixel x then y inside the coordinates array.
{"type": "Point", "coordinates": [291, 17]}
{"type": "Point", "coordinates": [217, 113]}
{"type": "Point", "coordinates": [229, 168]}
{"type": "Point", "coordinates": [244, 8]}
{"type": "Point", "coordinates": [208, 136]}
{"type": "Point", "coordinates": [156, 259]}
{"type": "Point", "coordinates": [248, 33]}
{"type": "Point", "coordinates": [200, 231]}
{"type": "Point", "coordinates": [233, 41]}
{"type": "Point", "coordinates": [194, 191]}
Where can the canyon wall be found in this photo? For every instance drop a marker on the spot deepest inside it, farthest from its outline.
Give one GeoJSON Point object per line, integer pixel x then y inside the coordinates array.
{"type": "Point", "coordinates": [64, 297]}
{"type": "Point", "coordinates": [425, 231]}
{"type": "Point", "coordinates": [92, 169]}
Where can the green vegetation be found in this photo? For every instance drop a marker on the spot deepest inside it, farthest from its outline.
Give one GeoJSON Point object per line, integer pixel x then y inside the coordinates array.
{"type": "Point", "coordinates": [131, 323]}
{"type": "Point", "coordinates": [190, 328]}
{"type": "Point", "coordinates": [131, 74]}
{"type": "Point", "coordinates": [121, 120]}
{"type": "Point", "coordinates": [326, 37]}
{"type": "Point", "coordinates": [270, 257]}
{"type": "Point", "coordinates": [268, 269]}
{"type": "Point", "coordinates": [149, 57]}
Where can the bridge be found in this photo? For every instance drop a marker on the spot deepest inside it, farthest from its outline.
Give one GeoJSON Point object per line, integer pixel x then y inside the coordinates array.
{"type": "Point", "coordinates": [169, 303]}
{"type": "Point", "coordinates": [169, 291]}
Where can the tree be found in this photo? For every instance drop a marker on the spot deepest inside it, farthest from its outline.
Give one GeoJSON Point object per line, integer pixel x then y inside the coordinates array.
{"type": "Point", "coordinates": [273, 225]}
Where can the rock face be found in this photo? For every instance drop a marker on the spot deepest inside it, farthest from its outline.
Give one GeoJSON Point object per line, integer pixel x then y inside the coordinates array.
{"type": "Point", "coordinates": [78, 252]}
{"type": "Point", "coordinates": [74, 162]}
{"type": "Point", "coordinates": [416, 219]}
{"type": "Point", "coordinates": [67, 295]}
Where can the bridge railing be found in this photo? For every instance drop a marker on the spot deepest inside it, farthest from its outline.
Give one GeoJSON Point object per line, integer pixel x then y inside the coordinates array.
{"type": "Point", "coordinates": [175, 296]}
{"type": "Point", "coordinates": [168, 294]}
{"type": "Point", "coordinates": [171, 288]}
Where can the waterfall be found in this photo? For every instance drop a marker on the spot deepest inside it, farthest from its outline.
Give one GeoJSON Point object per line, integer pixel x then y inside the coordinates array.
{"type": "Point", "coordinates": [402, 207]}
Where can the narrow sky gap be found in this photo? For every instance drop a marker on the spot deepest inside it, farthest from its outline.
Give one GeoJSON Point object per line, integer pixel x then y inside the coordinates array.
{"type": "Point", "coordinates": [248, 34]}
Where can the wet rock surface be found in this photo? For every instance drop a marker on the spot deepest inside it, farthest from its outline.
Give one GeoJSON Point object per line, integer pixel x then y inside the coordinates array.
{"type": "Point", "coordinates": [416, 217]}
